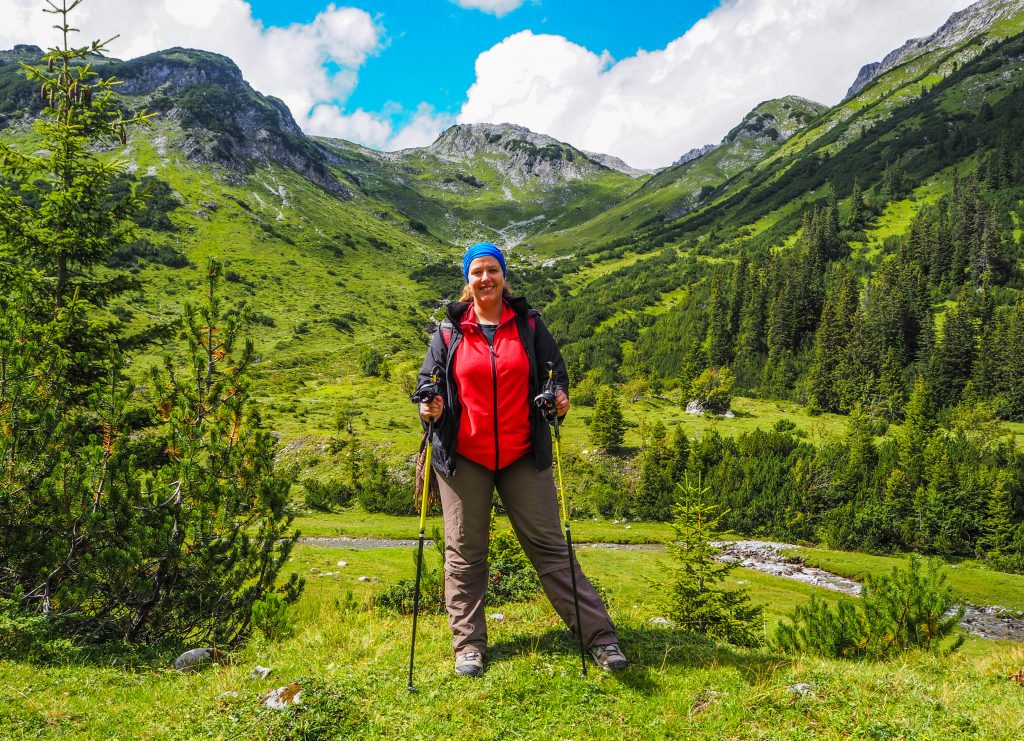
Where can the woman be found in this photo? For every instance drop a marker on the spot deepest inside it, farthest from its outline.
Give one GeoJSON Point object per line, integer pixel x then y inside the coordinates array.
{"type": "Point", "coordinates": [493, 350]}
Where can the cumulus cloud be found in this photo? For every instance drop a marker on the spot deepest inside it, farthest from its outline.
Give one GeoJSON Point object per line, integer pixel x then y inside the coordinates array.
{"type": "Point", "coordinates": [497, 7]}
{"type": "Point", "coordinates": [287, 62]}
{"type": "Point", "coordinates": [651, 107]}
{"type": "Point", "coordinates": [376, 130]}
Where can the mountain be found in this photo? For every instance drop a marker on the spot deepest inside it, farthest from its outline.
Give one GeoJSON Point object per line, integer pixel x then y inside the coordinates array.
{"type": "Point", "coordinates": [977, 23]}
{"type": "Point", "coordinates": [485, 181]}
{"type": "Point", "coordinates": [683, 187]}
{"type": "Point", "coordinates": [340, 249]}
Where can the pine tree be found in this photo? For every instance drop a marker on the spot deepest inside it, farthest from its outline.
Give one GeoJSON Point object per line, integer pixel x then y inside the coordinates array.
{"type": "Point", "coordinates": [998, 527]}
{"type": "Point", "coordinates": [218, 512]}
{"type": "Point", "coordinates": [720, 338]}
{"type": "Point", "coordinates": [857, 207]}
{"type": "Point", "coordinates": [60, 209]}
{"type": "Point", "coordinates": [697, 602]}
{"type": "Point", "coordinates": [607, 426]}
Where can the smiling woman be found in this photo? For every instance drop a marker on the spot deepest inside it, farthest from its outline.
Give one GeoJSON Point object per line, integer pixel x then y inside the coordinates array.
{"type": "Point", "coordinates": [489, 359]}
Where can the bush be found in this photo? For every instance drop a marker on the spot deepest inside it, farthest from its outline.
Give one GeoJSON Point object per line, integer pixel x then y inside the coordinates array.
{"type": "Point", "coordinates": [327, 495]}
{"type": "Point", "coordinates": [896, 613]}
{"type": "Point", "coordinates": [382, 491]}
{"type": "Point", "coordinates": [712, 389]}
{"type": "Point", "coordinates": [31, 636]}
{"type": "Point", "coordinates": [370, 361]}
{"type": "Point", "coordinates": [271, 618]}
{"type": "Point", "coordinates": [400, 597]}
{"type": "Point", "coordinates": [512, 577]}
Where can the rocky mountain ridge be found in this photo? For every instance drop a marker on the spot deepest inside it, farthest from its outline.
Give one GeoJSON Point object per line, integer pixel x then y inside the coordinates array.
{"type": "Point", "coordinates": [516, 152]}
{"type": "Point", "coordinates": [973, 20]}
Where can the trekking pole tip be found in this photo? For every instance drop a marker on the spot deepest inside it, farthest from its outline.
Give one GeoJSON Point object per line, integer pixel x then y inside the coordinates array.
{"type": "Point", "coordinates": [411, 688]}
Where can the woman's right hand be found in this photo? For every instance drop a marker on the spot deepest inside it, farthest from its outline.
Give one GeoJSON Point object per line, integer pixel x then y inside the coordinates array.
{"type": "Point", "coordinates": [432, 410]}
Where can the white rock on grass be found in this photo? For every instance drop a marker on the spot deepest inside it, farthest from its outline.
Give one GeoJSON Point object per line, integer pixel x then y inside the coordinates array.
{"type": "Point", "coordinates": [343, 563]}
{"type": "Point", "coordinates": [660, 621]}
{"type": "Point", "coordinates": [498, 616]}
{"type": "Point", "coordinates": [282, 697]}
{"type": "Point", "coordinates": [195, 658]}
{"type": "Point", "coordinates": [261, 672]}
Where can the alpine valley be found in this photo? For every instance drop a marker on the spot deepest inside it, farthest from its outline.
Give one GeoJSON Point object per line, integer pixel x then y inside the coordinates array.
{"type": "Point", "coordinates": [857, 269]}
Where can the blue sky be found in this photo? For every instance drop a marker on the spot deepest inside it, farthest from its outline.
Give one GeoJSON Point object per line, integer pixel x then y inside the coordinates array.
{"type": "Point", "coordinates": [431, 46]}
{"type": "Point", "coordinates": [645, 82]}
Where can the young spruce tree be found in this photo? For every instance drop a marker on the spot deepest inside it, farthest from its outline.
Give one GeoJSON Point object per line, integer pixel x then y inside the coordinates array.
{"type": "Point", "coordinates": [696, 599]}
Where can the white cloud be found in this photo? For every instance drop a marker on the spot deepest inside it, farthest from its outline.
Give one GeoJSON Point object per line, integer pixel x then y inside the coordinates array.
{"type": "Point", "coordinates": [497, 7]}
{"type": "Point", "coordinates": [286, 62]}
{"type": "Point", "coordinates": [376, 130]}
{"type": "Point", "coordinates": [650, 108]}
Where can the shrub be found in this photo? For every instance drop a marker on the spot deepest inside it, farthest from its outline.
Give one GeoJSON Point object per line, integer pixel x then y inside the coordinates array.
{"type": "Point", "coordinates": [370, 361]}
{"type": "Point", "coordinates": [512, 577]}
{"type": "Point", "coordinates": [896, 613]}
{"type": "Point", "coordinates": [400, 596]}
{"type": "Point", "coordinates": [712, 389]}
{"type": "Point", "coordinates": [327, 495]}
{"type": "Point", "coordinates": [270, 616]}
{"type": "Point", "coordinates": [381, 491]}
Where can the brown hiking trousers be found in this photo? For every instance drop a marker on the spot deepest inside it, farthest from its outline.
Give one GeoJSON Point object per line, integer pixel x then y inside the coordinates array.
{"type": "Point", "coordinates": [530, 499]}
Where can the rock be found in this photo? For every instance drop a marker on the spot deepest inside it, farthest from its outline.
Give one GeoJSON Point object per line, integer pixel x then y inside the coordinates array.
{"type": "Point", "coordinates": [498, 616]}
{"type": "Point", "coordinates": [696, 153]}
{"type": "Point", "coordinates": [196, 658]}
{"type": "Point", "coordinates": [694, 407]}
{"type": "Point", "coordinates": [1018, 677]}
{"type": "Point", "coordinates": [629, 527]}
{"type": "Point", "coordinates": [802, 689]}
{"type": "Point", "coordinates": [364, 578]}
{"type": "Point", "coordinates": [660, 621]}
{"type": "Point", "coordinates": [261, 672]}
{"type": "Point", "coordinates": [282, 697]}
{"type": "Point", "coordinates": [342, 563]}
{"type": "Point", "coordinates": [702, 701]}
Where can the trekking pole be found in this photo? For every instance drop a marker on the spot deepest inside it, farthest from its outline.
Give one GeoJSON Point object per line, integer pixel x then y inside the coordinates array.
{"type": "Point", "coordinates": [546, 401]}
{"type": "Point", "coordinates": [426, 394]}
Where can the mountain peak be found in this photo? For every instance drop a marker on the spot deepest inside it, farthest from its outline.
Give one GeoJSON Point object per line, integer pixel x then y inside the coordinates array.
{"type": "Point", "coordinates": [973, 20]}
{"type": "Point", "coordinates": [517, 152]}
{"type": "Point", "coordinates": [774, 121]}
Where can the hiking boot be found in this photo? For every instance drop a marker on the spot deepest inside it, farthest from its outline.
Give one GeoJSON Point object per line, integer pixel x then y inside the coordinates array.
{"type": "Point", "coordinates": [609, 657]}
{"type": "Point", "coordinates": [469, 664]}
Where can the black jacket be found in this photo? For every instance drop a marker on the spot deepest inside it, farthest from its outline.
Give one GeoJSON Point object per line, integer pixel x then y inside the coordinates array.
{"type": "Point", "coordinates": [541, 349]}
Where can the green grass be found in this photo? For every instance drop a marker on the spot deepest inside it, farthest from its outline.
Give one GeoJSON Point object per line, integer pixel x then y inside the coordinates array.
{"type": "Point", "coordinates": [352, 663]}
{"type": "Point", "coordinates": [355, 523]}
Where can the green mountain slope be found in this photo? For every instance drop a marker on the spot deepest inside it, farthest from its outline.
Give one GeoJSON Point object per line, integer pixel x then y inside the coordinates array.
{"type": "Point", "coordinates": [487, 182]}
{"type": "Point", "coordinates": [684, 188]}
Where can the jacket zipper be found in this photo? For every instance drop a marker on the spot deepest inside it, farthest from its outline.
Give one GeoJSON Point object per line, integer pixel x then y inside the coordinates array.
{"type": "Point", "coordinates": [494, 379]}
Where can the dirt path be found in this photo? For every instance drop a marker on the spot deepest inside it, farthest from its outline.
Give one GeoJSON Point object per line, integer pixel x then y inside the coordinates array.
{"type": "Point", "coordinates": [992, 622]}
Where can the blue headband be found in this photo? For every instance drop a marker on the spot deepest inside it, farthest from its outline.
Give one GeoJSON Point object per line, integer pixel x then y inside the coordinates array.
{"type": "Point", "coordinates": [482, 249]}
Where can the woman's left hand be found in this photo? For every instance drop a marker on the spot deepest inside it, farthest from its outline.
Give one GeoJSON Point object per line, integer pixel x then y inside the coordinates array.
{"type": "Point", "coordinates": [561, 402]}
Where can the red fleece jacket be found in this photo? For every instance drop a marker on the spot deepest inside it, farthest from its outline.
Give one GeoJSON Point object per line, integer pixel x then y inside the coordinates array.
{"type": "Point", "coordinates": [494, 390]}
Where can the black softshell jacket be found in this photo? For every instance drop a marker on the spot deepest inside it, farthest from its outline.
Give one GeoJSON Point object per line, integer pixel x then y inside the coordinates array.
{"type": "Point", "coordinates": [541, 349]}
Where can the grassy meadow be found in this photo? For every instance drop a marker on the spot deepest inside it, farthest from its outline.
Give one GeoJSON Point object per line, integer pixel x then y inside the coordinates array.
{"type": "Point", "coordinates": [352, 662]}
